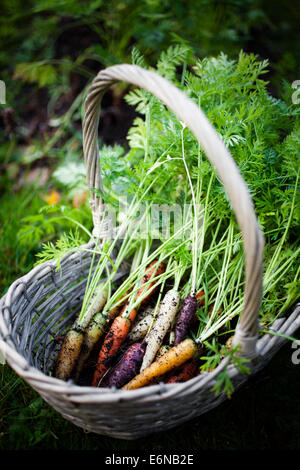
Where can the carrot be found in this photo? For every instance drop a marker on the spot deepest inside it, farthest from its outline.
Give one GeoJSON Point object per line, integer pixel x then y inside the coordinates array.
{"type": "Point", "coordinates": [175, 357]}
{"type": "Point", "coordinates": [183, 373]}
{"type": "Point", "coordinates": [200, 296]}
{"type": "Point", "coordinates": [111, 345]}
{"type": "Point", "coordinates": [92, 335]}
{"type": "Point", "coordinates": [228, 343]}
{"type": "Point", "coordinates": [162, 350]}
{"type": "Point", "coordinates": [122, 325]}
{"type": "Point", "coordinates": [166, 314]}
{"type": "Point", "coordinates": [226, 347]}
{"type": "Point", "coordinates": [152, 271]}
{"type": "Point", "coordinates": [185, 317]}
{"type": "Point", "coordinates": [73, 340]}
{"type": "Point", "coordinates": [128, 366]}
{"type": "Point", "coordinates": [114, 311]}
{"type": "Point", "coordinates": [140, 329]}
{"type": "Point", "coordinates": [68, 354]}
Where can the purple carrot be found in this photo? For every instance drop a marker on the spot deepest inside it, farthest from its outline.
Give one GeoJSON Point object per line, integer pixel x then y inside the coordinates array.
{"type": "Point", "coordinates": [128, 367]}
{"type": "Point", "coordinates": [185, 317]}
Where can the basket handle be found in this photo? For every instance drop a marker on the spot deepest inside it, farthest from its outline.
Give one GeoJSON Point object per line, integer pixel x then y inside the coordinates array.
{"type": "Point", "coordinates": [188, 112]}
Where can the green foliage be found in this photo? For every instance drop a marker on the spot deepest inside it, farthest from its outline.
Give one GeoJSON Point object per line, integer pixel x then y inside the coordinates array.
{"type": "Point", "coordinates": [31, 34]}
{"type": "Point", "coordinates": [67, 243]}
{"type": "Point", "coordinates": [262, 135]}
{"type": "Point", "coordinates": [51, 222]}
{"type": "Point", "coordinates": [260, 132]}
{"type": "Point", "coordinates": [70, 175]}
{"type": "Point", "coordinates": [216, 353]}
{"type": "Point", "coordinates": [213, 358]}
{"type": "Point", "coordinates": [42, 74]}
{"type": "Point", "coordinates": [15, 259]}
{"type": "Point", "coordinates": [179, 54]}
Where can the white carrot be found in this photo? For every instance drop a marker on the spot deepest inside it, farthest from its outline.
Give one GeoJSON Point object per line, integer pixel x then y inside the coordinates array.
{"type": "Point", "coordinates": [166, 314]}
{"type": "Point", "coordinates": [140, 329]}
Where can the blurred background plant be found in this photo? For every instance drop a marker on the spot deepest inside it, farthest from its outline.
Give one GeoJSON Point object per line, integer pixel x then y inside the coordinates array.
{"type": "Point", "coordinates": [50, 51]}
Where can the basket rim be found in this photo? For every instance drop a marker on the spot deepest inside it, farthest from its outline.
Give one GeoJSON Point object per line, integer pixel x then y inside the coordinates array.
{"type": "Point", "coordinates": [79, 393]}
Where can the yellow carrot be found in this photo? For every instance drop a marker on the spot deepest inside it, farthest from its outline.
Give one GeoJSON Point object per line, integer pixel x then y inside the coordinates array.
{"type": "Point", "coordinates": [91, 337]}
{"type": "Point", "coordinates": [173, 358]}
{"type": "Point", "coordinates": [75, 337]}
{"type": "Point", "coordinates": [68, 354]}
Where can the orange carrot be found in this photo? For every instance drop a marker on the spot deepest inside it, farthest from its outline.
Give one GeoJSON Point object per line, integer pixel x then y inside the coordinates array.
{"type": "Point", "coordinates": [201, 297]}
{"type": "Point", "coordinates": [112, 342]}
{"type": "Point", "coordinates": [116, 336]}
{"type": "Point", "coordinates": [152, 271]}
{"type": "Point", "coordinates": [93, 333]}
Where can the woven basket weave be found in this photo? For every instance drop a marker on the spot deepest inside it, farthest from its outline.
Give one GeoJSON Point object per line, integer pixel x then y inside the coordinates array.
{"type": "Point", "coordinates": [42, 304]}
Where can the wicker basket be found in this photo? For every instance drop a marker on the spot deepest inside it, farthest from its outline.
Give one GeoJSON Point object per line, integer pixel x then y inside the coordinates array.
{"type": "Point", "coordinates": [42, 304]}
